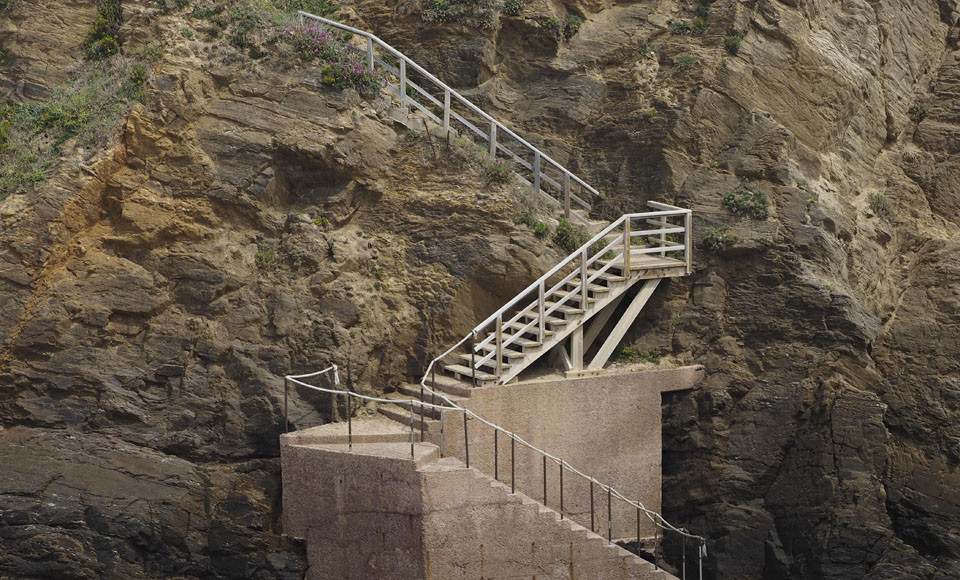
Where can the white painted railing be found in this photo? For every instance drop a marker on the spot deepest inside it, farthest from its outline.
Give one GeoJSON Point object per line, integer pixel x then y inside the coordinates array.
{"type": "Point", "coordinates": [622, 244]}
{"type": "Point", "coordinates": [450, 110]}
{"type": "Point", "coordinates": [661, 526]}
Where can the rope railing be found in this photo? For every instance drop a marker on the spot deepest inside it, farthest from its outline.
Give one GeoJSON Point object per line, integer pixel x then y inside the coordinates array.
{"type": "Point", "coordinates": [534, 167]}
{"type": "Point", "coordinates": [449, 406]}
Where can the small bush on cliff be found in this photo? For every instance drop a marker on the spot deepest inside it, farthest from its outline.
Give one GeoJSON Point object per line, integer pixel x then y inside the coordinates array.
{"type": "Point", "coordinates": [513, 7]}
{"type": "Point", "coordinates": [718, 239]}
{"type": "Point", "coordinates": [527, 218]}
{"type": "Point", "coordinates": [341, 67]}
{"type": "Point", "coordinates": [878, 203]}
{"type": "Point", "coordinates": [482, 14]}
{"type": "Point", "coordinates": [103, 41]}
{"type": "Point", "coordinates": [569, 236]}
{"type": "Point", "coordinates": [747, 200]}
{"type": "Point", "coordinates": [732, 43]}
{"type": "Point", "coordinates": [630, 354]}
{"type": "Point", "coordinates": [496, 172]}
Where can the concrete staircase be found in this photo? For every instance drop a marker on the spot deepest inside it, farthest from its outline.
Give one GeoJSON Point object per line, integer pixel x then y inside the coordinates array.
{"type": "Point", "coordinates": [445, 520]}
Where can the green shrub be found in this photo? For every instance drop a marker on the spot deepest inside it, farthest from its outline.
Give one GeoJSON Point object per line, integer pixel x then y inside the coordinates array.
{"type": "Point", "coordinates": [684, 61]}
{"type": "Point", "coordinates": [630, 354]}
{"type": "Point", "coordinates": [747, 200]}
{"type": "Point", "coordinates": [718, 239]}
{"type": "Point", "coordinates": [315, 7]}
{"type": "Point", "coordinates": [540, 229]}
{"type": "Point", "coordinates": [513, 7]}
{"type": "Point", "coordinates": [103, 40]}
{"type": "Point", "coordinates": [569, 236]}
{"type": "Point", "coordinates": [698, 25]}
{"type": "Point", "coordinates": [918, 112]}
{"type": "Point", "coordinates": [732, 43]}
{"type": "Point", "coordinates": [321, 222]}
{"type": "Point", "coordinates": [571, 24]}
{"type": "Point", "coordinates": [89, 109]}
{"type": "Point", "coordinates": [496, 172]}
{"type": "Point", "coordinates": [265, 259]}
{"type": "Point", "coordinates": [482, 14]}
{"type": "Point", "coordinates": [878, 203]}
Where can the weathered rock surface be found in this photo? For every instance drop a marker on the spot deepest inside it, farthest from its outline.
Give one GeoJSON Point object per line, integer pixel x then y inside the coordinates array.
{"type": "Point", "coordinates": [150, 301]}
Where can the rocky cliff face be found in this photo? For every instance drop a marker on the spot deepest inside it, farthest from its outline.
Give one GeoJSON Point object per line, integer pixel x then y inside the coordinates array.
{"type": "Point", "coordinates": [247, 222]}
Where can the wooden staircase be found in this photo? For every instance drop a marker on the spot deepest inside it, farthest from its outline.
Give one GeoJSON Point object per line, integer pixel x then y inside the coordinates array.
{"type": "Point", "coordinates": [567, 310]}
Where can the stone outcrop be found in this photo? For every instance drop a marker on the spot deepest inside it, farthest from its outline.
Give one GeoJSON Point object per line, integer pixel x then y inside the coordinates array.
{"type": "Point", "coordinates": [151, 296]}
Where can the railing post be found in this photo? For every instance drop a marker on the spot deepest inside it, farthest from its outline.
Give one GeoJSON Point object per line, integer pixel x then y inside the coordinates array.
{"type": "Point", "coordinates": [286, 419]}
{"type": "Point", "coordinates": [593, 526]}
{"type": "Point", "coordinates": [609, 515]}
{"type": "Point", "coordinates": [583, 280]}
{"type": "Point", "coordinates": [403, 83]}
{"type": "Point", "coordinates": [541, 335]}
{"type": "Point", "coordinates": [663, 236]}
{"type": "Point", "coordinates": [701, 552]}
{"type": "Point", "coordinates": [349, 422]}
{"type": "Point", "coordinates": [683, 560]}
{"type": "Point", "coordinates": [446, 110]}
{"type": "Point", "coordinates": [496, 455]}
{"type": "Point", "coordinates": [499, 351]}
{"type": "Point", "coordinates": [300, 18]}
{"type": "Point", "coordinates": [688, 240]}
{"type": "Point", "coordinates": [493, 140]}
{"type": "Point", "coordinates": [626, 247]}
{"type": "Point", "coordinates": [412, 438]}
{"type": "Point", "coordinates": [441, 433]}
{"type": "Point", "coordinates": [561, 489]}
{"type": "Point", "coordinates": [566, 195]}
{"type": "Point", "coordinates": [638, 530]}
{"type": "Point", "coordinates": [513, 472]}
{"type": "Point", "coordinates": [421, 413]}
{"type": "Point", "coordinates": [544, 480]}
{"type": "Point", "coordinates": [656, 545]}
{"type": "Point", "coordinates": [536, 172]}
{"type": "Point", "coordinates": [466, 440]}
{"type": "Point", "coordinates": [370, 63]}
{"type": "Point", "coordinates": [473, 361]}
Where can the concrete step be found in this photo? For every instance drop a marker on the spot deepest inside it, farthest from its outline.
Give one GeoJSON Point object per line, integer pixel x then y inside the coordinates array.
{"type": "Point", "coordinates": [402, 416]}
{"type": "Point", "coordinates": [401, 401]}
{"type": "Point", "coordinates": [465, 373]}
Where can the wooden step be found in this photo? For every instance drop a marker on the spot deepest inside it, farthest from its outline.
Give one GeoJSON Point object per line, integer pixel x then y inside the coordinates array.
{"type": "Point", "coordinates": [596, 288]}
{"type": "Point", "coordinates": [578, 298]}
{"type": "Point", "coordinates": [549, 320]}
{"type": "Point", "coordinates": [516, 326]}
{"type": "Point", "coordinates": [464, 373]}
{"type": "Point", "coordinates": [565, 309]}
{"type": "Point", "coordinates": [507, 352]}
{"type": "Point", "coordinates": [605, 276]}
{"type": "Point", "coordinates": [465, 357]}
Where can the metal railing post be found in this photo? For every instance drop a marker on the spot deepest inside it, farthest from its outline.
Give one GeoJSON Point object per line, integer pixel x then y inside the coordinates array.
{"type": "Point", "coordinates": [701, 552]}
{"type": "Point", "coordinates": [441, 433]}
{"type": "Point", "coordinates": [561, 489]}
{"type": "Point", "coordinates": [513, 473]}
{"type": "Point", "coordinates": [412, 438]}
{"type": "Point", "coordinates": [403, 83]}
{"type": "Point", "coordinates": [544, 480]}
{"type": "Point", "coordinates": [422, 414]}
{"type": "Point", "coordinates": [466, 441]}
{"type": "Point", "coordinates": [609, 515]}
{"type": "Point", "coordinates": [349, 423]}
{"type": "Point", "coordinates": [638, 530]}
{"type": "Point", "coordinates": [626, 247]}
{"type": "Point", "coordinates": [370, 62]}
{"type": "Point", "coordinates": [536, 172]}
{"type": "Point", "coordinates": [541, 334]}
{"type": "Point", "coordinates": [499, 351]}
{"type": "Point", "coordinates": [593, 526]}
{"type": "Point", "coordinates": [688, 240]}
{"type": "Point", "coordinates": [286, 419]}
{"type": "Point", "coordinates": [683, 560]}
{"type": "Point", "coordinates": [446, 110]}
{"type": "Point", "coordinates": [566, 195]}
{"type": "Point", "coordinates": [473, 363]}
{"type": "Point", "coordinates": [656, 545]}
{"type": "Point", "coordinates": [493, 140]}
{"type": "Point", "coordinates": [496, 455]}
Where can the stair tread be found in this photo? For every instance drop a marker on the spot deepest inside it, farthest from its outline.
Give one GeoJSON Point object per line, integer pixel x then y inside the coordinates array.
{"type": "Point", "coordinates": [466, 359]}
{"type": "Point", "coordinates": [462, 370]}
{"type": "Point", "coordinates": [507, 352]}
{"type": "Point", "coordinates": [519, 325]}
{"type": "Point", "coordinates": [548, 319]}
{"type": "Point", "coordinates": [590, 287]}
{"type": "Point", "coordinates": [565, 308]}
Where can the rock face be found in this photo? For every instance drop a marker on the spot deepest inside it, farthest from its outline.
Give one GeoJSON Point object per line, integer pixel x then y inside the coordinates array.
{"type": "Point", "coordinates": [151, 301]}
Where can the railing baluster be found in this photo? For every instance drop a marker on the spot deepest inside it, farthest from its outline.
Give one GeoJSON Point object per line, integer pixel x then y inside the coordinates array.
{"type": "Point", "coordinates": [446, 110]}
{"type": "Point", "coordinates": [544, 480]}
{"type": "Point", "coordinates": [513, 473]}
{"type": "Point", "coordinates": [626, 247]}
{"type": "Point", "coordinates": [541, 334]}
{"type": "Point", "coordinates": [609, 515]}
{"type": "Point", "coordinates": [286, 419]}
{"type": "Point", "coordinates": [496, 455]}
{"type": "Point", "coordinates": [370, 63]}
{"type": "Point", "coordinates": [421, 413]}
{"type": "Point", "coordinates": [688, 240]}
{"type": "Point", "coordinates": [499, 346]}
{"type": "Point", "coordinates": [561, 489]}
{"type": "Point", "coordinates": [473, 360]}
{"type": "Point", "coordinates": [466, 440]}
{"type": "Point", "coordinates": [412, 439]}
{"type": "Point", "coordinates": [403, 83]}
{"type": "Point", "coordinates": [593, 527]}
{"type": "Point", "coordinates": [663, 236]}
{"type": "Point", "coordinates": [493, 140]}
{"type": "Point", "coordinates": [583, 280]}
{"type": "Point", "coordinates": [536, 172]}
{"type": "Point", "coordinates": [566, 195]}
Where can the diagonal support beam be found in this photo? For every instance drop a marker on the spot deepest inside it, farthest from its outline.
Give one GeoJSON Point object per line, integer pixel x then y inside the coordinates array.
{"type": "Point", "coordinates": [599, 321]}
{"type": "Point", "coordinates": [624, 324]}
